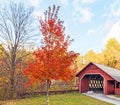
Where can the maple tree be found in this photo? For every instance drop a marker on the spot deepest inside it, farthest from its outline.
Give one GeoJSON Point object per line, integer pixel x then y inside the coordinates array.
{"type": "Point", "coordinates": [53, 60]}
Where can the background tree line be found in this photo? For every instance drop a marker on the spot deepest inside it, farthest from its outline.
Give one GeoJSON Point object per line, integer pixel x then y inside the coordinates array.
{"type": "Point", "coordinates": [109, 56]}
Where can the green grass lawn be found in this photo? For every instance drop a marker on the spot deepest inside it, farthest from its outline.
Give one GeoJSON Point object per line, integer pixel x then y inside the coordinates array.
{"type": "Point", "coordinates": [61, 99]}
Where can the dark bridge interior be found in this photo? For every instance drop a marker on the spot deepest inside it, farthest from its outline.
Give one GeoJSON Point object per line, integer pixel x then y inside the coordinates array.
{"type": "Point", "coordinates": [95, 82]}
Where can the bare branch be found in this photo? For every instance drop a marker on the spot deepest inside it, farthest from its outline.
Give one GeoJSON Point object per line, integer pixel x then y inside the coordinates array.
{"type": "Point", "coordinates": [15, 30]}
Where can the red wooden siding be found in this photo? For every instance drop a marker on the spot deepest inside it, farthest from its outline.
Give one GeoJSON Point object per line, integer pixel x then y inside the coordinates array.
{"type": "Point", "coordinates": [84, 85]}
{"type": "Point", "coordinates": [117, 91]}
{"type": "Point", "coordinates": [108, 81]}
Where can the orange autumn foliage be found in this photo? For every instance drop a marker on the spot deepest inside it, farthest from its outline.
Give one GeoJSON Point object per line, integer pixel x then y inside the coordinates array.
{"type": "Point", "coordinates": [53, 60]}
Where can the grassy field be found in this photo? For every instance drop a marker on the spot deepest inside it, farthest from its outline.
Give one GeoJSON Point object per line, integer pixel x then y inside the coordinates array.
{"type": "Point", "coordinates": [62, 99]}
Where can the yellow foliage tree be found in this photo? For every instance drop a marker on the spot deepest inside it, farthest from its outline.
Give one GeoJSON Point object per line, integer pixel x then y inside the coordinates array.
{"type": "Point", "coordinates": [111, 53]}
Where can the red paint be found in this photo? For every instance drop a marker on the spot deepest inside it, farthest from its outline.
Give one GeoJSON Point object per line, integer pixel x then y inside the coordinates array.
{"type": "Point", "coordinates": [110, 88]}
{"type": "Point", "coordinates": [117, 91]}
{"type": "Point", "coordinates": [108, 81]}
{"type": "Point", "coordinates": [85, 85]}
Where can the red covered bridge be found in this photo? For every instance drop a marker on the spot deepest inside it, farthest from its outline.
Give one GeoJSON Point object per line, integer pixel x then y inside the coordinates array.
{"type": "Point", "coordinates": [96, 77]}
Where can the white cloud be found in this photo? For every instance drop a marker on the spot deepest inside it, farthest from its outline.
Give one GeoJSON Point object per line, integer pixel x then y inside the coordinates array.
{"type": "Point", "coordinates": [117, 12]}
{"type": "Point", "coordinates": [114, 14]}
{"type": "Point", "coordinates": [114, 32]}
{"type": "Point", "coordinates": [37, 14]}
{"type": "Point", "coordinates": [64, 2]}
{"type": "Point", "coordinates": [35, 2]}
{"type": "Point", "coordinates": [88, 1]}
{"type": "Point", "coordinates": [108, 24]}
{"type": "Point", "coordinates": [112, 24]}
{"type": "Point", "coordinates": [115, 9]}
{"type": "Point", "coordinates": [81, 13]}
{"type": "Point", "coordinates": [91, 32]}
{"type": "Point", "coordinates": [3, 1]}
{"type": "Point", "coordinates": [86, 15]}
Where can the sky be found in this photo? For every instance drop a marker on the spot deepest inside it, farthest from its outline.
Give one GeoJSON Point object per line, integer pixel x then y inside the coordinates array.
{"type": "Point", "coordinates": [91, 23]}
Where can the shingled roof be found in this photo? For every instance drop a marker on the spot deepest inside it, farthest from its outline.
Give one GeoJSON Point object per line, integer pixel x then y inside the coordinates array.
{"type": "Point", "coordinates": [114, 73]}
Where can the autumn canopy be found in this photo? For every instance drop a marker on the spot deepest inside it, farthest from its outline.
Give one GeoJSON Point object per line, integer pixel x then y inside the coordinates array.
{"type": "Point", "coordinates": [53, 60]}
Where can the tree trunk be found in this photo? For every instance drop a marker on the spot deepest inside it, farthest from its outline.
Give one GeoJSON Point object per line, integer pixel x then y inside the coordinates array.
{"type": "Point", "coordinates": [12, 79]}
{"type": "Point", "coordinates": [11, 84]}
{"type": "Point", "coordinates": [47, 91]}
